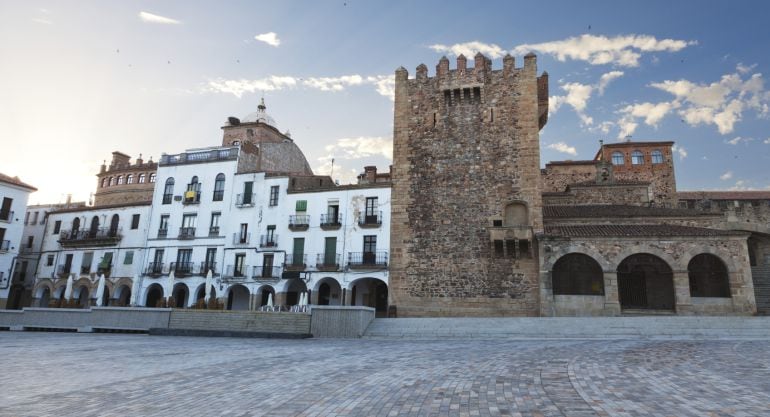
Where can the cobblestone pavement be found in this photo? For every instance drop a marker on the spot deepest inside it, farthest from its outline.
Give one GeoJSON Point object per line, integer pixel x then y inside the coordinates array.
{"type": "Point", "coordinates": [59, 374]}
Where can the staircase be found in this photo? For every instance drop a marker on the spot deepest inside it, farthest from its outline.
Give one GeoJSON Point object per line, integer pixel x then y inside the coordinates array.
{"type": "Point", "coordinates": [761, 278]}
{"type": "Point", "coordinates": [656, 327]}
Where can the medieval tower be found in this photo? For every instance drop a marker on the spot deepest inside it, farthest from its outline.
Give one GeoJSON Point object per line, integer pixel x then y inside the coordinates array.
{"type": "Point", "coordinates": [466, 200]}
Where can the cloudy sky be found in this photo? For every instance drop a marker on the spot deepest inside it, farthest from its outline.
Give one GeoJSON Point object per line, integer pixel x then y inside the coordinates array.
{"type": "Point", "coordinates": [79, 80]}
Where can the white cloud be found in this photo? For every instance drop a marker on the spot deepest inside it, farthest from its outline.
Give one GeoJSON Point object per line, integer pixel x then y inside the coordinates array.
{"type": "Point", "coordinates": [577, 97]}
{"type": "Point", "coordinates": [766, 141]}
{"type": "Point", "coordinates": [745, 69]}
{"type": "Point", "coordinates": [652, 113]}
{"type": "Point", "coordinates": [563, 148]}
{"type": "Point", "coordinates": [383, 84]}
{"type": "Point", "coordinates": [270, 38]}
{"type": "Point", "coordinates": [153, 18]}
{"type": "Point", "coordinates": [599, 50]}
{"type": "Point", "coordinates": [606, 79]}
{"type": "Point", "coordinates": [738, 139]}
{"type": "Point", "coordinates": [361, 147]}
{"type": "Point", "coordinates": [469, 49]}
{"type": "Point", "coordinates": [679, 150]}
{"type": "Point", "coordinates": [726, 176]}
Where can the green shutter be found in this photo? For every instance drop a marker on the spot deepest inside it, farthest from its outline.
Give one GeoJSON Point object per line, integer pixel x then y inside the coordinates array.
{"type": "Point", "coordinates": [301, 205]}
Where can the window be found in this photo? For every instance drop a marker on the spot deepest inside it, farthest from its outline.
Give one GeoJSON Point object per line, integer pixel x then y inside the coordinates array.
{"type": "Point", "coordinates": [301, 205]}
{"type": "Point", "coordinates": [152, 177]}
{"type": "Point", "coordinates": [104, 182]}
{"type": "Point", "coordinates": [657, 157]}
{"type": "Point", "coordinates": [214, 225]}
{"type": "Point", "coordinates": [371, 206]}
{"type": "Point", "coordinates": [708, 276]}
{"type": "Point", "coordinates": [111, 182]}
{"type": "Point", "coordinates": [577, 274]}
{"type": "Point", "coordinates": [114, 223]}
{"type": "Point", "coordinates": [274, 195]}
{"type": "Point", "coordinates": [129, 179]}
{"type": "Point", "coordinates": [168, 191]}
{"type": "Point", "coordinates": [248, 188]}
{"type": "Point", "coordinates": [85, 265]}
{"type": "Point", "coordinates": [219, 187]}
{"type": "Point", "coordinates": [499, 250]}
{"type": "Point", "coordinates": [141, 179]}
{"type": "Point", "coordinates": [26, 219]}
{"type": "Point", "coordinates": [129, 258]}
{"type": "Point", "coordinates": [158, 257]}
{"type": "Point", "coordinates": [75, 226]}
{"type": "Point", "coordinates": [5, 209]}
{"type": "Point", "coordinates": [120, 179]}
{"type": "Point", "coordinates": [49, 260]}
{"type": "Point", "coordinates": [183, 261]}
{"type": "Point", "coordinates": [35, 217]}
{"type": "Point", "coordinates": [163, 227]}
{"type": "Point", "coordinates": [617, 158]}
{"type": "Point", "coordinates": [370, 249]}
{"type": "Point", "coordinates": [211, 261]}
{"type": "Point", "coordinates": [188, 220]}
{"type": "Point", "coordinates": [240, 265]}
{"type": "Point", "coordinates": [637, 158]}
{"type": "Point", "coordinates": [135, 221]}
{"type": "Point", "coordinates": [267, 266]}
{"type": "Point", "coordinates": [30, 239]}
{"type": "Point", "coordinates": [243, 237]}
{"type": "Point", "coordinates": [56, 227]}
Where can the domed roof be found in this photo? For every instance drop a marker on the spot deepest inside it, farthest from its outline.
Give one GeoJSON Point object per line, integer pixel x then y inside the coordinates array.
{"type": "Point", "coordinates": [260, 116]}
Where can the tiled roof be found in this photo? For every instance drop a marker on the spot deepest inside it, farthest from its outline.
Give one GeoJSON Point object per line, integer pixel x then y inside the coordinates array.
{"type": "Point", "coordinates": [612, 210]}
{"type": "Point", "coordinates": [580, 162]}
{"type": "Point", "coordinates": [723, 195]}
{"type": "Point", "coordinates": [608, 184]}
{"type": "Point", "coordinates": [633, 230]}
{"type": "Point", "coordinates": [15, 181]}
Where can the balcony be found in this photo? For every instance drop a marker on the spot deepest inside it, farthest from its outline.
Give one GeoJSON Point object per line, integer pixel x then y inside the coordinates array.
{"type": "Point", "coordinates": [241, 239]}
{"type": "Point", "coordinates": [186, 233]}
{"type": "Point", "coordinates": [7, 216]}
{"type": "Point", "coordinates": [370, 219]}
{"type": "Point", "coordinates": [299, 222]}
{"type": "Point", "coordinates": [268, 241]}
{"type": "Point", "coordinates": [5, 246]}
{"type": "Point", "coordinates": [106, 236]}
{"type": "Point", "coordinates": [104, 269]}
{"type": "Point", "coordinates": [245, 200]}
{"type": "Point", "coordinates": [213, 231]}
{"type": "Point", "coordinates": [328, 262]}
{"type": "Point", "coordinates": [206, 267]}
{"type": "Point", "coordinates": [198, 156]}
{"type": "Point", "coordinates": [368, 260]}
{"type": "Point", "coordinates": [295, 262]}
{"type": "Point", "coordinates": [266, 273]}
{"type": "Point", "coordinates": [155, 269]}
{"type": "Point", "coordinates": [182, 269]}
{"type": "Point", "coordinates": [331, 221]}
{"type": "Point", "coordinates": [63, 271]}
{"type": "Point", "coordinates": [162, 233]}
{"type": "Point", "coordinates": [236, 273]}
{"type": "Point", "coordinates": [191, 197]}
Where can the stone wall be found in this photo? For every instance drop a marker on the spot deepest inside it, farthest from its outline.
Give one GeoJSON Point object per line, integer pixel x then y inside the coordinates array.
{"type": "Point", "coordinates": [676, 252]}
{"type": "Point", "coordinates": [466, 144]}
{"type": "Point", "coordinates": [557, 176]}
{"type": "Point", "coordinates": [601, 194]}
{"type": "Point", "coordinates": [660, 175]}
{"type": "Point", "coordinates": [242, 321]}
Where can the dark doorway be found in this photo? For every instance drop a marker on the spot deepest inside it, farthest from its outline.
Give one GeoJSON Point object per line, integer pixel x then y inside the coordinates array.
{"type": "Point", "coordinates": [154, 294]}
{"type": "Point", "coordinates": [324, 293]}
{"type": "Point", "coordinates": [645, 282]}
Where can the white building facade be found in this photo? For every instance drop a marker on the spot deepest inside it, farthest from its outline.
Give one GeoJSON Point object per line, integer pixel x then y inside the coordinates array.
{"type": "Point", "coordinates": [13, 205]}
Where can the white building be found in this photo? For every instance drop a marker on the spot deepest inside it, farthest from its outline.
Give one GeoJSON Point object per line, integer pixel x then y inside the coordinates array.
{"type": "Point", "coordinates": [13, 206]}
{"type": "Point", "coordinates": [85, 242]}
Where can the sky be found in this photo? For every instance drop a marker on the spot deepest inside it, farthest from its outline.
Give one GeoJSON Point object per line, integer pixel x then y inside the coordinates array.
{"type": "Point", "coordinates": [81, 79]}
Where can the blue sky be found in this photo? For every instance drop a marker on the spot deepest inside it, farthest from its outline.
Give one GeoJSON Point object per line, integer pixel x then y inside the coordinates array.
{"type": "Point", "coordinates": [79, 80]}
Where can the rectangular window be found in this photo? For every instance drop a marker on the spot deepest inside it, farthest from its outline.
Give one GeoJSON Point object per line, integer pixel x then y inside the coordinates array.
{"type": "Point", "coordinates": [67, 263]}
{"type": "Point", "coordinates": [135, 221]}
{"type": "Point", "coordinates": [106, 263]}
{"type": "Point", "coordinates": [49, 260]}
{"type": "Point", "coordinates": [244, 233]}
{"type": "Point", "coordinates": [330, 251]}
{"type": "Point", "coordinates": [298, 255]}
{"type": "Point", "coordinates": [211, 260]}
{"type": "Point", "coordinates": [301, 205]}
{"type": "Point", "coordinates": [248, 192]}
{"type": "Point", "coordinates": [163, 227]}
{"type": "Point", "coordinates": [5, 209]}
{"type": "Point", "coordinates": [129, 258]}
{"type": "Point", "coordinates": [267, 266]}
{"type": "Point", "coordinates": [34, 217]}
{"type": "Point", "coordinates": [524, 249]}
{"type": "Point", "coordinates": [240, 265]}
{"type": "Point", "coordinates": [370, 249]}
{"type": "Point", "coordinates": [85, 265]}
{"type": "Point", "coordinates": [274, 195]}
{"type": "Point", "coordinates": [371, 206]}
{"type": "Point", "coordinates": [214, 225]}
{"type": "Point", "coordinates": [499, 251]}
{"type": "Point", "coordinates": [56, 227]}
{"type": "Point", "coordinates": [26, 219]}
{"type": "Point", "coordinates": [158, 257]}
{"type": "Point", "coordinates": [30, 239]}
{"type": "Point", "coordinates": [188, 220]}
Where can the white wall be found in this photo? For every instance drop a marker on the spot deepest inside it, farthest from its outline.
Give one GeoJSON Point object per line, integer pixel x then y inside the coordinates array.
{"type": "Point", "coordinates": [14, 228]}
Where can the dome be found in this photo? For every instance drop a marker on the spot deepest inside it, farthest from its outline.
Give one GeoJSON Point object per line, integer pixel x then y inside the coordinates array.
{"type": "Point", "coordinates": [260, 116]}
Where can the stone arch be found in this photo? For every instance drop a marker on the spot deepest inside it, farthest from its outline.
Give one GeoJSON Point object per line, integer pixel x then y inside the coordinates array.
{"type": "Point", "coordinates": [516, 213]}
{"type": "Point", "coordinates": [674, 264]}
{"type": "Point", "coordinates": [200, 292]}
{"type": "Point", "coordinates": [40, 288]}
{"type": "Point", "coordinates": [152, 295]}
{"type": "Point", "coordinates": [264, 291]}
{"type": "Point", "coordinates": [327, 291]}
{"type": "Point", "coordinates": [82, 294]}
{"type": "Point", "coordinates": [294, 287]}
{"type": "Point", "coordinates": [181, 295]}
{"type": "Point", "coordinates": [708, 276]}
{"type": "Point", "coordinates": [122, 295]}
{"type": "Point", "coordinates": [645, 281]}
{"type": "Point", "coordinates": [550, 259]}
{"type": "Point", "coordinates": [577, 274]}
{"type": "Point", "coordinates": [370, 292]}
{"type": "Point", "coordinates": [238, 297]}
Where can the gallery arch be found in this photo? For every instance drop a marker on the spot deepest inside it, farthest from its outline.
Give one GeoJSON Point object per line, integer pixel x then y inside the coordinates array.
{"type": "Point", "coordinates": [154, 295]}
{"type": "Point", "coordinates": [708, 276]}
{"type": "Point", "coordinates": [238, 298]}
{"type": "Point", "coordinates": [577, 274]}
{"type": "Point", "coordinates": [645, 282]}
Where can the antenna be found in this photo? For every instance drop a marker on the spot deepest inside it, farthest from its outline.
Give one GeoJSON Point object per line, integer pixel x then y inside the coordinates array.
{"type": "Point", "coordinates": [332, 171]}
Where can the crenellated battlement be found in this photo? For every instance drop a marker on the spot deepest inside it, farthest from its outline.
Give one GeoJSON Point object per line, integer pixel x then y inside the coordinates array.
{"type": "Point", "coordinates": [481, 70]}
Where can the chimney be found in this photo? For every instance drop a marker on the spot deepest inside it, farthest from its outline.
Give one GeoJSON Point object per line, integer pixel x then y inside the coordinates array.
{"type": "Point", "coordinates": [370, 173]}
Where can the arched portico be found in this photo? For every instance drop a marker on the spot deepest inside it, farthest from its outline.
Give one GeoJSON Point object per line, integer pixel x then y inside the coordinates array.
{"type": "Point", "coordinates": [369, 292]}
{"type": "Point", "coordinates": [153, 295]}
{"type": "Point", "coordinates": [181, 295]}
{"type": "Point", "coordinates": [263, 293]}
{"type": "Point", "coordinates": [645, 282]}
{"type": "Point", "coordinates": [238, 298]}
{"type": "Point", "coordinates": [290, 297]}
{"type": "Point", "coordinates": [327, 291]}
{"type": "Point", "coordinates": [122, 296]}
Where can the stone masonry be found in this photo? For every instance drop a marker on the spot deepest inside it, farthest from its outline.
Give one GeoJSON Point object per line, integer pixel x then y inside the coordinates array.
{"type": "Point", "coordinates": [466, 150]}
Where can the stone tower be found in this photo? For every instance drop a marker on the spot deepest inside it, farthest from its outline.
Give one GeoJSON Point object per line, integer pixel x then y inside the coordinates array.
{"type": "Point", "coordinates": [466, 199]}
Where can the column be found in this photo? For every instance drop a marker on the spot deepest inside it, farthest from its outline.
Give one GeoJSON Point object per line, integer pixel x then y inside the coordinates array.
{"type": "Point", "coordinates": [682, 293]}
{"type": "Point", "coordinates": [611, 294]}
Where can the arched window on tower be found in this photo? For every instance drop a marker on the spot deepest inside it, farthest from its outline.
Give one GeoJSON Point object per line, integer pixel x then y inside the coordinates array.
{"type": "Point", "coordinates": [516, 215]}
{"type": "Point", "coordinates": [104, 182]}
{"type": "Point", "coordinates": [637, 158]}
{"type": "Point", "coordinates": [111, 181]}
{"type": "Point", "coordinates": [219, 187]}
{"type": "Point", "coordinates": [152, 177]}
{"type": "Point", "coordinates": [617, 158]}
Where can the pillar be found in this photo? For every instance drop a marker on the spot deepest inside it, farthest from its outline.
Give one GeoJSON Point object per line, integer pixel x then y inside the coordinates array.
{"type": "Point", "coordinates": [682, 293]}
{"type": "Point", "coordinates": [611, 294]}
{"type": "Point", "coordinates": [280, 298]}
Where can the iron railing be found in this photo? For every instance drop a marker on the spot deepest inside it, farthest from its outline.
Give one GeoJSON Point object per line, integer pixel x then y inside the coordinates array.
{"type": "Point", "coordinates": [214, 231]}
{"type": "Point", "coordinates": [245, 200]}
{"type": "Point", "coordinates": [368, 259]}
{"type": "Point", "coordinates": [266, 272]}
{"type": "Point", "coordinates": [239, 239]}
{"type": "Point", "coordinates": [331, 220]}
{"type": "Point", "coordinates": [235, 271]}
{"type": "Point", "coordinates": [162, 233]}
{"type": "Point", "coordinates": [102, 235]}
{"type": "Point", "coordinates": [208, 266]}
{"type": "Point", "coordinates": [182, 268]}
{"type": "Point", "coordinates": [295, 261]}
{"type": "Point", "coordinates": [371, 219]}
{"type": "Point", "coordinates": [268, 241]}
{"type": "Point", "coordinates": [155, 268]}
{"type": "Point", "coordinates": [299, 221]}
{"type": "Point", "coordinates": [328, 261]}
{"type": "Point", "coordinates": [186, 233]}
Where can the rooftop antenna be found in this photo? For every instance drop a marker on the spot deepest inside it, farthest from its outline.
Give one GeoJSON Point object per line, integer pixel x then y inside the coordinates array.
{"type": "Point", "coordinates": [332, 171]}
{"type": "Point", "coordinates": [628, 138]}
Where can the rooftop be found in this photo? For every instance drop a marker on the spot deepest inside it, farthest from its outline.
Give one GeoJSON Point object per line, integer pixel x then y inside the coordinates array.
{"type": "Point", "coordinates": [615, 211]}
{"type": "Point", "coordinates": [635, 230]}
{"type": "Point", "coordinates": [723, 195]}
{"type": "Point", "coordinates": [15, 181]}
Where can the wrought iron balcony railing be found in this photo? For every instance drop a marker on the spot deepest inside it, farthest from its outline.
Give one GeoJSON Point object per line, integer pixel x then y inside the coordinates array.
{"type": "Point", "coordinates": [241, 239]}
{"type": "Point", "coordinates": [370, 219]}
{"type": "Point", "coordinates": [299, 222]}
{"type": "Point", "coordinates": [103, 236]}
{"type": "Point", "coordinates": [206, 267]}
{"type": "Point", "coordinates": [331, 221]}
{"type": "Point", "coordinates": [182, 268]}
{"type": "Point", "coordinates": [328, 261]}
{"type": "Point", "coordinates": [186, 233]}
{"type": "Point", "coordinates": [262, 272]}
{"type": "Point", "coordinates": [155, 268]}
{"type": "Point", "coordinates": [268, 241]}
{"type": "Point", "coordinates": [245, 200]}
{"type": "Point", "coordinates": [368, 259]}
{"type": "Point", "coordinates": [295, 261]}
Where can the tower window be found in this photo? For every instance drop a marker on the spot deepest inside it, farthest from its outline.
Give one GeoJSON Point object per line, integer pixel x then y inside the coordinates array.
{"type": "Point", "coordinates": [637, 158]}
{"type": "Point", "coordinates": [657, 157]}
{"type": "Point", "coordinates": [617, 158]}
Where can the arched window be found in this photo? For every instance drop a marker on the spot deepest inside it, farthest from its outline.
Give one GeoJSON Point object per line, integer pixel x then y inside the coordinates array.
{"type": "Point", "coordinates": [104, 182]}
{"type": "Point", "coordinates": [577, 274]}
{"type": "Point", "coordinates": [120, 179]}
{"type": "Point", "coordinates": [152, 177]}
{"type": "Point", "coordinates": [637, 158]}
{"type": "Point", "coordinates": [111, 182]}
{"type": "Point", "coordinates": [657, 157]}
{"type": "Point", "coordinates": [708, 276]}
{"type": "Point", "coordinates": [617, 158]}
{"type": "Point", "coordinates": [516, 214]}
{"type": "Point", "coordinates": [168, 191]}
{"type": "Point", "coordinates": [129, 179]}
{"type": "Point", "coordinates": [114, 225]}
{"type": "Point", "coordinates": [219, 187]}
{"type": "Point", "coordinates": [94, 227]}
{"type": "Point", "coordinates": [75, 225]}
{"type": "Point", "coordinates": [140, 179]}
